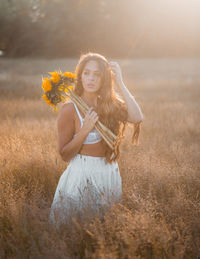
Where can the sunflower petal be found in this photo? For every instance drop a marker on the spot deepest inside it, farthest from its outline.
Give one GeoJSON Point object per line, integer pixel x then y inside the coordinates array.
{"type": "Point", "coordinates": [55, 76]}
{"type": "Point", "coordinates": [46, 85]}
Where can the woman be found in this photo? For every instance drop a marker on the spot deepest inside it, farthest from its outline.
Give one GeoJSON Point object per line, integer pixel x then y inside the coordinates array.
{"type": "Point", "coordinates": [92, 178]}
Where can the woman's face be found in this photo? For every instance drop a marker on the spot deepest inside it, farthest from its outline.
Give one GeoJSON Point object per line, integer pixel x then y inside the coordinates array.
{"type": "Point", "coordinates": [91, 76]}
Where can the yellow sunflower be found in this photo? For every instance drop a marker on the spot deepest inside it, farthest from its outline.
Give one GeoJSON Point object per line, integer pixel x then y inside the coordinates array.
{"type": "Point", "coordinates": [69, 74]}
{"type": "Point", "coordinates": [46, 85]}
{"type": "Point", "coordinates": [55, 76]}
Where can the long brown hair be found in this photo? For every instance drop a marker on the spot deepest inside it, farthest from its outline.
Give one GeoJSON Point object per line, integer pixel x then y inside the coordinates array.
{"type": "Point", "coordinates": [112, 111]}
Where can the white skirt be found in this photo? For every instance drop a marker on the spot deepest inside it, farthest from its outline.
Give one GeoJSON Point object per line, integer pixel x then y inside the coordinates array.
{"type": "Point", "coordinates": [88, 182]}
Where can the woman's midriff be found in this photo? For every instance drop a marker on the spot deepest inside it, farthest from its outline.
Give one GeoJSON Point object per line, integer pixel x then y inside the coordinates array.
{"type": "Point", "coordinates": [96, 149]}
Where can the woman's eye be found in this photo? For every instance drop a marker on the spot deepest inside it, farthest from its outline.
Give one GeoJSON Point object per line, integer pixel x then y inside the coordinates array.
{"type": "Point", "coordinates": [96, 74]}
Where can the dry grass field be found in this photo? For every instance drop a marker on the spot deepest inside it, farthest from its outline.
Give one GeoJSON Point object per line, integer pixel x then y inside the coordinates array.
{"type": "Point", "coordinates": [159, 215]}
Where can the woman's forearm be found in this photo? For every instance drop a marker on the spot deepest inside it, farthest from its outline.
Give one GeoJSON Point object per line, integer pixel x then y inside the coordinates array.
{"type": "Point", "coordinates": [73, 147]}
{"type": "Point", "coordinates": [134, 112]}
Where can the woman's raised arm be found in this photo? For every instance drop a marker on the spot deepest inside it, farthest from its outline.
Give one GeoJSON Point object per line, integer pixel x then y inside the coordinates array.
{"type": "Point", "coordinates": [134, 112]}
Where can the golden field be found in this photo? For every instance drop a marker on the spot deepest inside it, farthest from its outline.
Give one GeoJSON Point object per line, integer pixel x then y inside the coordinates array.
{"type": "Point", "coordinates": [159, 215]}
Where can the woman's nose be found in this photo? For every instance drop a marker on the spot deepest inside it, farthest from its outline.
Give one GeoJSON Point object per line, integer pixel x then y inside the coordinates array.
{"type": "Point", "coordinates": [91, 76]}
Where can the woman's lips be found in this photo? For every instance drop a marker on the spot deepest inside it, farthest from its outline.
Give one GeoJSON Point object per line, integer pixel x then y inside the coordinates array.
{"type": "Point", "coordinates": [91, 85]}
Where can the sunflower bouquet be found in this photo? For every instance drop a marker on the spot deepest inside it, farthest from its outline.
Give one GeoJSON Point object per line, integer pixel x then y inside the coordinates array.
{"type": "Point", "coordinates": [59, 88]}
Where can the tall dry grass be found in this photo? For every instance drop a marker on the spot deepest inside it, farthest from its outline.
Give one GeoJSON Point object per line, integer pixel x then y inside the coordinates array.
{"type": "Point", "coordinates": [159, 215]}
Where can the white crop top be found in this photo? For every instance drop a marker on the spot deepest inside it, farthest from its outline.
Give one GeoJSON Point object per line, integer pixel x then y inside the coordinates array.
{"type": "Point", "coordinates": [94, 136]}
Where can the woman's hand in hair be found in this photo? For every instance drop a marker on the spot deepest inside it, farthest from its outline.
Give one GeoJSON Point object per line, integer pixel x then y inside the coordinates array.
{"type": "Point", "coordinates": [116, 72]}
{"type": "Point", "coordinates": [90, 119]}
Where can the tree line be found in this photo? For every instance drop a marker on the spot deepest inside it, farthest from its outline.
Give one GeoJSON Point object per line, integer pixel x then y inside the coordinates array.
{"type": "Point", "coordinates": [64, 28]}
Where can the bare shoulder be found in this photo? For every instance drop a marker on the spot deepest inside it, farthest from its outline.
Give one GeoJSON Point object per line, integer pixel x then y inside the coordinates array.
{"type": "Point", "coordinates": [66, 112]}
{"type": "Point", "coordinates": [66, 119]}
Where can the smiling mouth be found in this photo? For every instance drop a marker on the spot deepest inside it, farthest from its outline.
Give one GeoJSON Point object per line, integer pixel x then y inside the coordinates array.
{"type": "Point", "coordinates": [91, 85]}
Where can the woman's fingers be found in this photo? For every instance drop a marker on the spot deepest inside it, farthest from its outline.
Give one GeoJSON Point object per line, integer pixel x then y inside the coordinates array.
{"type": "Point", "coordinates": [90, 110]}
{"type": "Point", "coordinates": [92, 115]}
{"type": "Point", "coordinates": [90, 119]}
